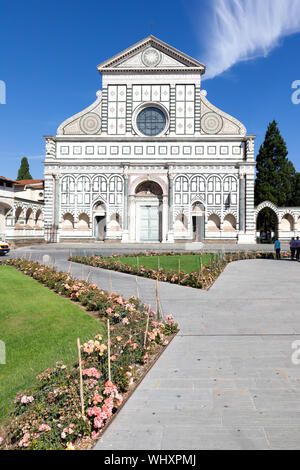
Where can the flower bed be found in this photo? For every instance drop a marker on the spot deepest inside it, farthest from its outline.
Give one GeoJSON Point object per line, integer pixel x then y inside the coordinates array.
{"type": "Point", "coordinates": [49, 416]}
{"type": "Point", "coordinates": [201, 279]}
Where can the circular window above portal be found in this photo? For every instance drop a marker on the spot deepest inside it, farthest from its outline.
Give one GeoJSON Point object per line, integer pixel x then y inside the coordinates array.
{"type": "Point", "coordinates": [151, 121]}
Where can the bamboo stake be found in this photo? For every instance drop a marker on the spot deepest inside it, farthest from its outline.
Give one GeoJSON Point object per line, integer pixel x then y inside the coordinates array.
{"type": "Point", "coordinates": [110, 281]}
{"type": "Point", "coordinates": [158, 262]}
{"type": "Point", "coordinates": [156, 298]}
{"type": "Point", "coordinates": [137, 288]}
{"type": "Point", "coordinates": [147, 327]}
{"type": "Point", "coordinates": [88, 276]}
{"type": "Point", "coordinates": [108, 349]}
{"type": "Point", "coordinates": [160, 309]}
{"type": "Point", "coordinates": [80, 378]}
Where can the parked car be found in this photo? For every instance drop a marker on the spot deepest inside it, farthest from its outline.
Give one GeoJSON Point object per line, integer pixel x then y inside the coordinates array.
{"type": "Point", "coordinates": [4, 247]}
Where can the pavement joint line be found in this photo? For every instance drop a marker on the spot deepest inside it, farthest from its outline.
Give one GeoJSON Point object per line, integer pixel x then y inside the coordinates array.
{"type": "Point", "coordinates": [246, 335]}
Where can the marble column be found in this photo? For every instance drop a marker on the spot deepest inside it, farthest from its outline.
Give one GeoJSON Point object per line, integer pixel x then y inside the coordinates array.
{"type": "Point", "coordinates": [165, 219]}
{"type": "Point", "coordinates": [242, 204]}
{"type": "Point", "coordinates": [125, 210]}
{"type": "Point", "coordinates": [170, 231]}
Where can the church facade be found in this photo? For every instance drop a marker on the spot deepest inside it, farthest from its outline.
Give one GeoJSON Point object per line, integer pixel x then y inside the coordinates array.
{"type": "Point", "coordinates": [151, 160]}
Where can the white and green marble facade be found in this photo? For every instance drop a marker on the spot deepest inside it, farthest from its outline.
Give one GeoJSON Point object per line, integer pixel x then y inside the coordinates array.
{"type": "Point", "coordinates": [200, 168]}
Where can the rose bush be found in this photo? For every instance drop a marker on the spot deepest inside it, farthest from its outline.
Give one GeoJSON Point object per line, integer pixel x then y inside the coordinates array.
{"type": "Point", "coordinates": [48, 416]}
{"type": "Point", "coordinates": [201, 279]}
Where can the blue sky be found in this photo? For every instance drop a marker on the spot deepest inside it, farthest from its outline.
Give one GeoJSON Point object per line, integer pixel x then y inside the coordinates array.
{"type": "Point", "coordinates": [50, 50]}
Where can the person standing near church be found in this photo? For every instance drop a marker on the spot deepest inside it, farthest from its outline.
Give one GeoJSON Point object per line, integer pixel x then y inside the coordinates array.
{"type": "Point", "coordinates": [297, 243]}
{"type": "Point", "coordinates": [293, 248]}
{"type": "Point", "coordinates": [277, 248]}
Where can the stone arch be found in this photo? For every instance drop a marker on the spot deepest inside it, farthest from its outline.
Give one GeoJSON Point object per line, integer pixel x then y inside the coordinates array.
{"type": "Point", "coordinates": [153, 178]}
{"type": "Point", "coordinates": [229, 223]}
{"type": "Point", "coordinates": [99, 219]}
{"type": "Point", "coordinates": [181, 222]}
{"type": "Point", "coordinates": [5, 212]}
{"type": "Point", "coordinates": [19, 216]}
{"type": "Point", "coordinates": [148, 210]}
{"type": "Point", "coordinates": [214, 223]}
{"type": "Point", "coordinates": [29, 218]}
{"type": "Point", "coordinates": [39, 219]}
{"type": "Point", "coordinates": [115, 223]}
{"type": "Point", "coordinates": [266, 204]}
{"type": "Point", "coordinates": [287, 222]}
{"type": "Point", "coordinates": [266, 221]}
{"type": "Point", "coordinates": [149, 187]}
{"type": "Point", "coordinates": [83, 221]}
{"type": "Point", "coordinates": [68, 221]}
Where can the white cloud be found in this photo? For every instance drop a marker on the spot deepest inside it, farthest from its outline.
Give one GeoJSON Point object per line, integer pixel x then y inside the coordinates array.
{"type": "Point", "coordinates": [241, 30]}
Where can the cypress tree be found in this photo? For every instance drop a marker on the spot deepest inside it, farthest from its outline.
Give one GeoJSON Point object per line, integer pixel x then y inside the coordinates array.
{"type": "Point", "coordinates": [275, 179]}
{"type": "Point", "coordinates": [24, 173]}
{"type": "Point", "coordinates": [297, 191]}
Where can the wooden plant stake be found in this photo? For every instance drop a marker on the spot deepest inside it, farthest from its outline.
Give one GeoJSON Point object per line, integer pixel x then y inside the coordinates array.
{"type": "Point", "coordinates": [160, 309]}
{"type": "Point", "coordinates": [156, 298]}
{"type": "Point", "coordinates": [108, 349]}
{"type": "Point", "coordinates": [80, 377]}
{"type": "Point", "coordinates": [147, 327]}
{"type": "Point", "coordinates": [158, 263]}
{"type": "Point", "coordinates": [110, 281]}
{"type": "Point", "coordinates": [137, 288]}
{"type": "Point", "coordinates": [88, 276]}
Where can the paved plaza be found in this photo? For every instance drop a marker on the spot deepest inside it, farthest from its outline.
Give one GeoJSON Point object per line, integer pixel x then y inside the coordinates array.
{"type": "Point", "coordinates": [227, 380]}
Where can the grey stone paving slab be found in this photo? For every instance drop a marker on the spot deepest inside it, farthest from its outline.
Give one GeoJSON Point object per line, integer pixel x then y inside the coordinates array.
{"type": "Point", "coordinates": [227, 380]}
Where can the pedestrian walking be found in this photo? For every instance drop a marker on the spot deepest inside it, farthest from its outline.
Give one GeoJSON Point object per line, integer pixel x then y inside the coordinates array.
{"type": "Point", "coordinates": [293, 248]}
{"type": "Point", "coordinates": [297, 242]}
{"type": "Point", "coordinates": [277, 248]}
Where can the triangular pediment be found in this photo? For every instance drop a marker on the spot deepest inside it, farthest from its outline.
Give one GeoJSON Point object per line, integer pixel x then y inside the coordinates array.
{"type": "Point", "coordinates": [153, 55]}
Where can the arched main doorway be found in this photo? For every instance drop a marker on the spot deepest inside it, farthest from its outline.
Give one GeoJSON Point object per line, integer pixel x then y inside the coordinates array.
{"type": "Point", "coordinates": [149, 196]}
{"type": "Point", "coordinates": [266, 225]}
{"type": "Point", "coordinates": [99, 216]}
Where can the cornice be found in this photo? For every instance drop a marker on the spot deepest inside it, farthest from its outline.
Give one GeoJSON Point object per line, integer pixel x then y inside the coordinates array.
{"type": "Point", "coordinates": [135, 139]}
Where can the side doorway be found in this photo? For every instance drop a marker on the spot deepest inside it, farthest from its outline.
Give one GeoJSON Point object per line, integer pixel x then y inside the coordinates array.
{"type": "Point", "coordinates": [198, 222]}
{"type": "Point", "coordinates": [100, 227]}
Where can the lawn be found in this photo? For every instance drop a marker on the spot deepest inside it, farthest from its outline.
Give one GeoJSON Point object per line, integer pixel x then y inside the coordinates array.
{"type": "Point", "coordinates": [187, 263]}
{"type": "Point", "coordinates": [39, 328]}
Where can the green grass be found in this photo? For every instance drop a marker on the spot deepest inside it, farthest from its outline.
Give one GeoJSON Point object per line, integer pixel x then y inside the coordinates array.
{"type": "Point", "coordinates": [188, 263]}
{"type": "Point", "coordinates": [39, 328]}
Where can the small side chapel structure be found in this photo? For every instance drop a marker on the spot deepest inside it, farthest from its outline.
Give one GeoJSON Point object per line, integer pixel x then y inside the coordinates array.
{"type": "Point", "coordinates": [151, 160]}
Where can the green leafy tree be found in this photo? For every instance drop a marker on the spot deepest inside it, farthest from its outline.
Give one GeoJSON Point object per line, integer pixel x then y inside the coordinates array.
{"type": "Point", "coordinates": [24, 173]}
{"type": "Point", "coordinates": [297, 191]}
{"type": "Point", "coordinates": [275, 179]}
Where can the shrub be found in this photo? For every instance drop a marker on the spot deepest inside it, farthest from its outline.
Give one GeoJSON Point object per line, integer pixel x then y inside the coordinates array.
{"type": "Point", "coordinates": [48, 416]}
